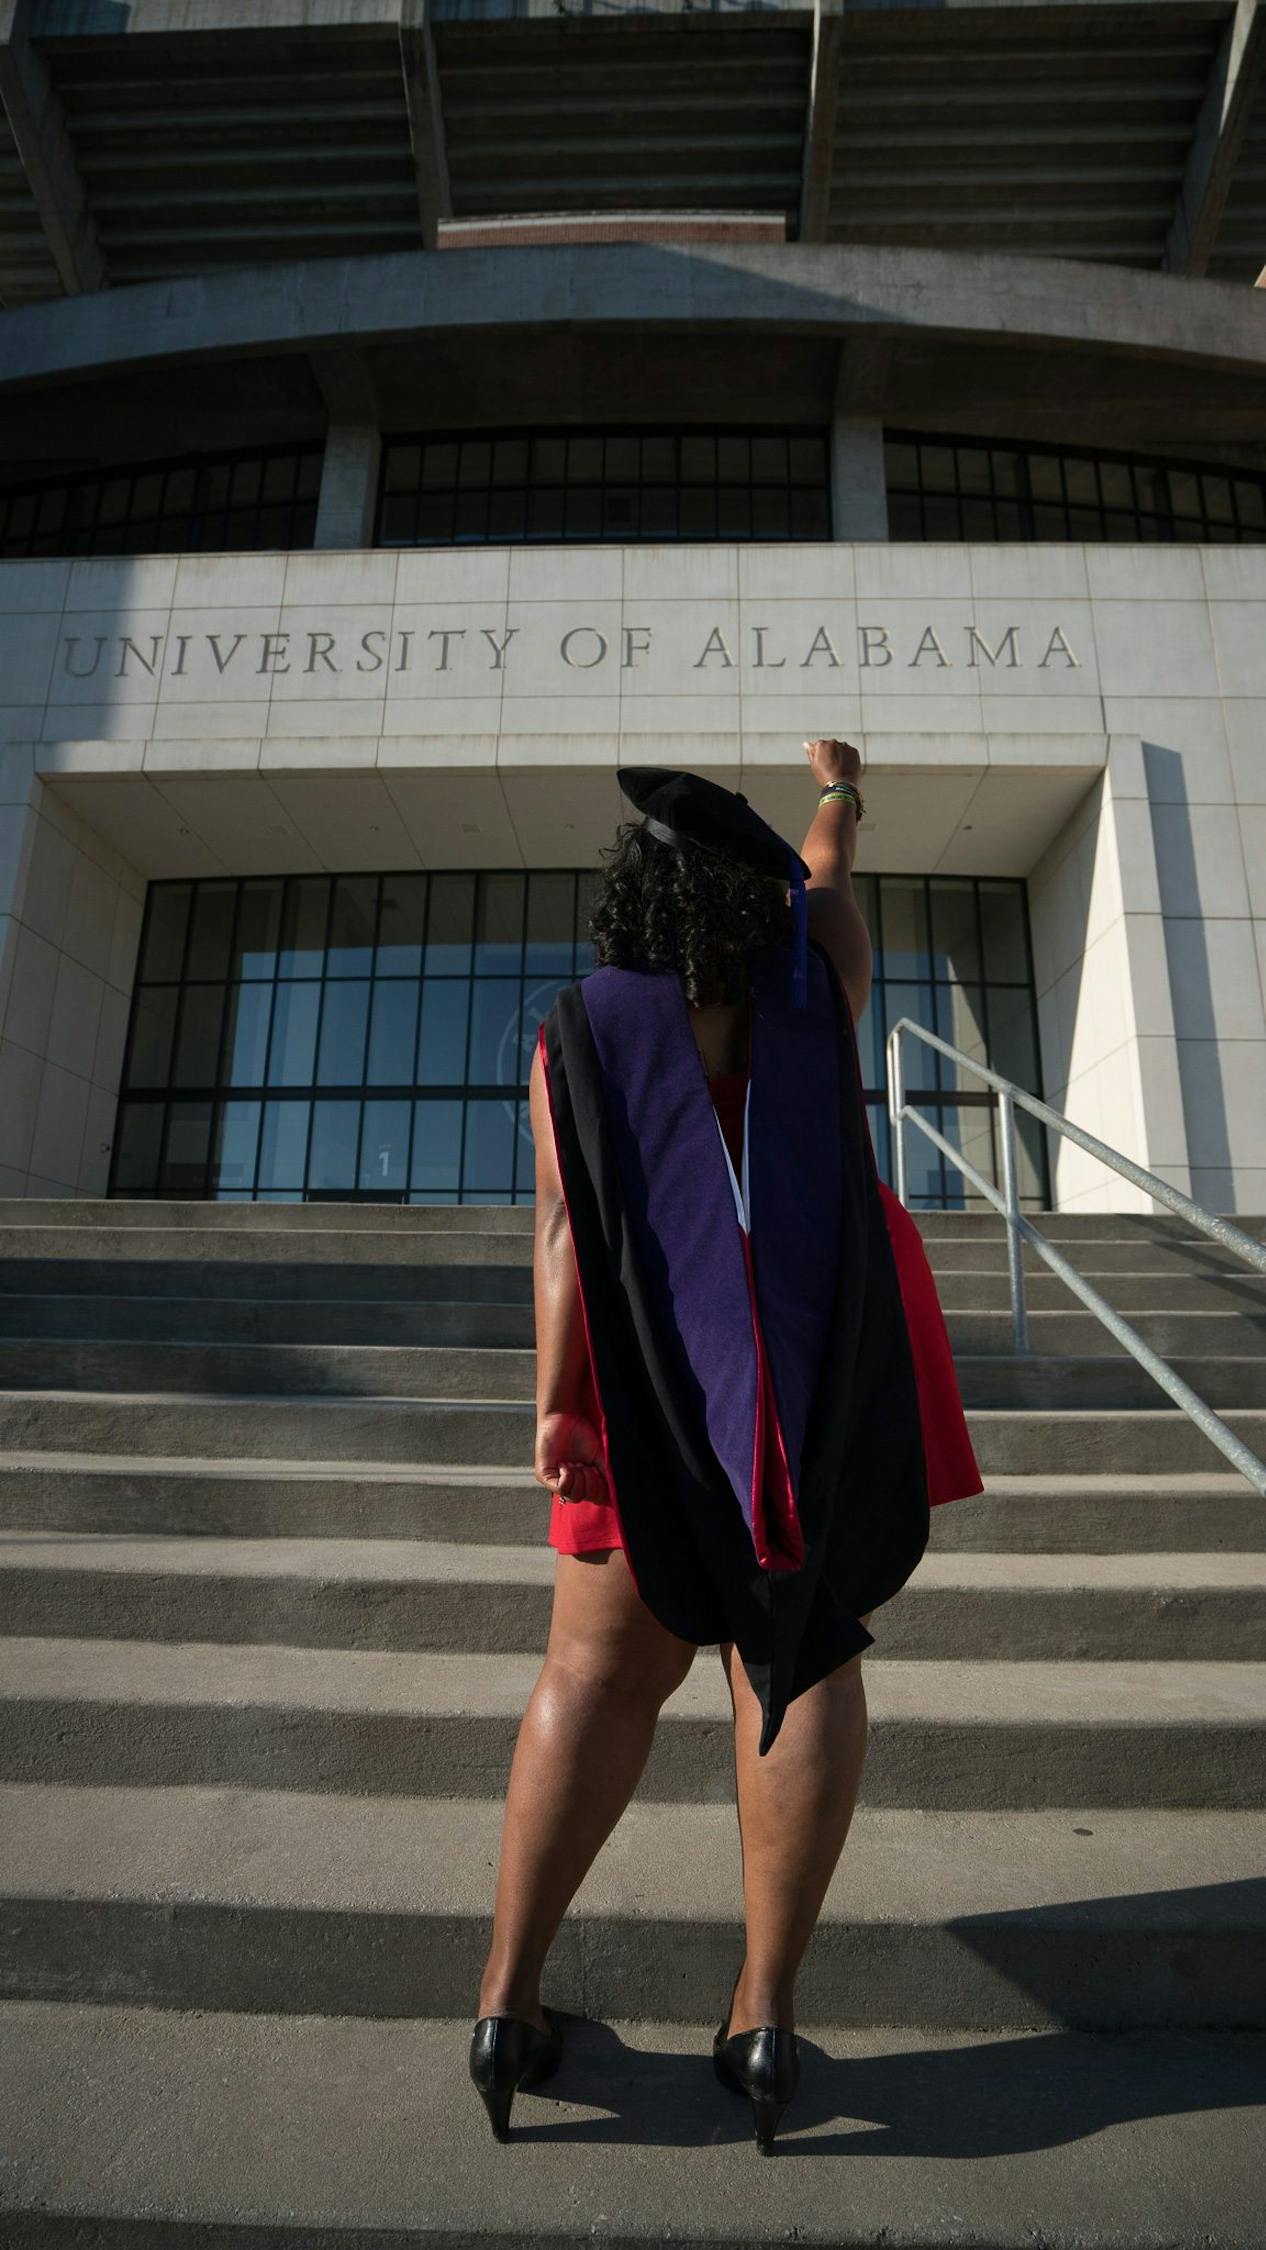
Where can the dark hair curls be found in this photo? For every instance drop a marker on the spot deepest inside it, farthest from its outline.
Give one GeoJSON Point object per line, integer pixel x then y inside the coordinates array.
{"type": "Point", "coordinates": [664, 906]}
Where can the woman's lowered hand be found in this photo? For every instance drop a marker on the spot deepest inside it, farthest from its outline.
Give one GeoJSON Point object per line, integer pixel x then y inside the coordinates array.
{"type": "Point", "coordinates": [569, 1457]}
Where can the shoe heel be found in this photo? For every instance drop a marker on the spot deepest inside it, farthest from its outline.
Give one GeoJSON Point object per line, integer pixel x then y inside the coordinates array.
{"type": "Point", "coordinates": [766, 2111]}
{"type": "Point", "coordinates": [506, 2053]}
{"type": "Point", "coordinates": [497, 2100]}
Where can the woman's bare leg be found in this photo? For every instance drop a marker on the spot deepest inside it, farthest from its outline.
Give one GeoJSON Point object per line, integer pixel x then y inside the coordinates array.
{"type": "Point", "coordinates": [794, 1806]}
{"type": "Point", "coordinates": [583, 1743]}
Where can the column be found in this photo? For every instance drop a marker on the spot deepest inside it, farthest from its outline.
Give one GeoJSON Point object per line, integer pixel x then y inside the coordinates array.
{"type": "Point", "coordinates": [349, 485]}
{"type": "Point", "coordinates": [859, 502]}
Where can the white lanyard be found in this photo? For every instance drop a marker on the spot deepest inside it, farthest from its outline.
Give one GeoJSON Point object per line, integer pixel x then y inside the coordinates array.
{"type": "Point", "coordinates": [742, 1195]}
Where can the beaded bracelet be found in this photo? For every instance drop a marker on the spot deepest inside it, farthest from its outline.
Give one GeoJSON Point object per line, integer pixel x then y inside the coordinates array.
{"type": "Point", "coordinates": [845, 789]}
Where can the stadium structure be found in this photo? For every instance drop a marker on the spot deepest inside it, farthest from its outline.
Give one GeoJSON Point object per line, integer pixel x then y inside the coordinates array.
{"type": "Point", "coordinates": [410, 412]}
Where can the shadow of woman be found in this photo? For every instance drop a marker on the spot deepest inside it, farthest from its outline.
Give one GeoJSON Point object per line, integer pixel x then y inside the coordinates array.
{"type": "Point", "coordinates": [969, 2094]}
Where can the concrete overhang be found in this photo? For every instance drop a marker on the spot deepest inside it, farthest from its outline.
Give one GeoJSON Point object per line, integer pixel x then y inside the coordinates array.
{"type": "Point", "coordinates": [953, 805]}
{"type": "Point", "coordinates": [819, 291]}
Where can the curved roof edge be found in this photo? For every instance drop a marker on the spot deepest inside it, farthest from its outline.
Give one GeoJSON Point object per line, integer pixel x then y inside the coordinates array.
{"type": "Point", "coordinates": [815, 288]}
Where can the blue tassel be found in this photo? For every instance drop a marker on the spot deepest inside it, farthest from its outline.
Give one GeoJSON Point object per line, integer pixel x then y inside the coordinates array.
{"type": "Point", "coordinates": [800, 930]}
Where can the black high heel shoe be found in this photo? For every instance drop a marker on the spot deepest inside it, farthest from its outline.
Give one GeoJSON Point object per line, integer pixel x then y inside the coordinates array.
{"type": "Point", "coordinates": [763, 2064]}
{"type": "Point", "coordinates": [507, 2052]}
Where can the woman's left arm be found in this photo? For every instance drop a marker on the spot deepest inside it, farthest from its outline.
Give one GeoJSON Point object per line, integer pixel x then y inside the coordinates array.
{"type": "Point", "coordinates": [569, 1457]}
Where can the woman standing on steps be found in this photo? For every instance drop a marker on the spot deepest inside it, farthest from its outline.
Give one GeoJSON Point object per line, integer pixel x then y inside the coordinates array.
{"type": "Point", "coordinates": [746, 1404]}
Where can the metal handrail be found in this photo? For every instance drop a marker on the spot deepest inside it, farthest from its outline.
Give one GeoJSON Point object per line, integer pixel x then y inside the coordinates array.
{"type": "Point", "coordinates": [1021, 1230]}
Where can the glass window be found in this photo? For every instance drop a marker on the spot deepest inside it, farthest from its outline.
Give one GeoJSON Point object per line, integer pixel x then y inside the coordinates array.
{"type": "Point", "coordinates": [489, 1144]}
{"type": "Point", "coordinates": [510, 461]}
{"type": "Point", "coordinates": [448, 937]}
{"type": "Point", "coordinates": [246, 1034]}
{"type": "Point", "coordinates": [916, 1001]}
{"type": "Point", "coordinates": [197, 1057]}
{"type": "Point", "coordinates": [283, 1151]}
{"type": "Point", "coordinates": [384, 1145]}
{"type": "Point", "coordinates": [582, 513]}
{"type": "Point", "coordinates": [494, 1031]}
{"type": "Point", "coordinates": [184, 1166]}
{"type": "Point", "coordinates": [904, 923]}
{"type": "Point", "coordinates": [614, 484]}
{"type": "Point", "coordinates": [499, 922]}
{"type": "Point", "coordinates": [870, 1039]}
{"type": "Point", "coordinates": [234, 1148]}
{"type": "Point", "coordinates": [697, 512]}
{"type": "Point", "coordinates": [303, 925]}
{"type": "Point", "coordinates": [938, 490]}
{"type": "Point", "coordinates": [956, 944]}
{"type": "Point", "coordinates": [258, 925]}
{"type": "Point", "coordinates": [401, 926]}
{"type": "Point", "coordinates": [352, 915]}
{"type": "Point", "coordinates": [393, 1030]}
{"type": "Point", "coordinates": [971, 1129]}
{"type": "Point", "coordinates": [584, 460]}
{"type": "Point", "coordinates": [166, 508]}
{"type": "Point", "coordinates": [375, 1043]}
{"type": "Point", "coordinates": [442, 1046]}
{"type": "Point", "coordinates": [437, 1145]}
{"type": "Point", "coordinates": [925, 1183]}
{"type": "Point", "coordinates": [166, 921]}
{"type": "Point", "coordinates": [153, 1026]}
{"type": "Point", "coordinates": [344, 1024]}
{"type": "Point", "coordinates": [332, 1155]}
{"type": "Point", "coordinates": [293, 1050]}
{"type": "Point", "coordinates": [137, 1138]}
{"type": "Point", "coordinates": [1006, 944]}
{"type": "Point", "coordinates": [1012, 1038]}
{"type": "Point", "coordinates": [960, 1018]}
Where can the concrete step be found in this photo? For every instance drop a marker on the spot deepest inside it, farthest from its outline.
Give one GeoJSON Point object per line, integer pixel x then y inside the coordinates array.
{"type": "Point", "coordinates": [409, 1283]}
{"type": "Point", "coordinates": [308, 1320]}
{"type": "Point", "coordinates": [329, 1245]}
{"type": "Point", "coordinates": [288, 1281]}
{"type": "Point", "coordinates": [340, 2133]}
{"type": "Point", "coordinates": [1041, 1382]}
{"type": "Point", "coordinates": [299, 1218]}
{"type": "Point", "coordinates": [1085, 1514]}
{"type": "Point", "coordinates": [429, 1594]}
{"type": "Point", "coordinates": [302, 1903]}
{"type": "Point", "coordinates": [496, 1433]}
{"type": "Point", "coordinates": [141, 1214]}
{"type": "Point", "coordinates": [953, 1735]}
{"type": "Point", "coordinates": [39, 1246]}
{"type": "Point", "coordinates": [1209, 1332]}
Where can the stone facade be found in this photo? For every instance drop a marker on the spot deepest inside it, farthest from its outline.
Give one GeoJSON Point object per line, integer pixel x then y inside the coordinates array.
{"type": "Point", "coordinates": [1092, 718]}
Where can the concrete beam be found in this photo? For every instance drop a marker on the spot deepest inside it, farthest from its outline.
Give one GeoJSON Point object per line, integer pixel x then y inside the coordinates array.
{"type": "Point", "coordinates": [426, 117]}
{"type": "Point", "coordinates": [800, 291]}
{"type": "Point", "coordinates": [1215, 146]}
{"type": "Point", "coordinates": [819, 128]}
{"type": "Point", "coordinates": [38, 126]}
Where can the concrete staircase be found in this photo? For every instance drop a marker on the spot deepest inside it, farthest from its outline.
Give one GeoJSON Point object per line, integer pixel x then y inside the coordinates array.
{"type": "Point", "coordinates": [274, 1587]}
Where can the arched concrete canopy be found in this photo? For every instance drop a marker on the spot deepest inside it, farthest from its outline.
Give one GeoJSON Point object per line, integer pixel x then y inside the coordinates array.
{"type": "Point", "coordinates": [814, 289]}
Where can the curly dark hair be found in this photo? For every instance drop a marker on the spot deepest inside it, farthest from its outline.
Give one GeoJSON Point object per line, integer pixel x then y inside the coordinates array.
{"type": "Point", "coordinates": [664, 906]}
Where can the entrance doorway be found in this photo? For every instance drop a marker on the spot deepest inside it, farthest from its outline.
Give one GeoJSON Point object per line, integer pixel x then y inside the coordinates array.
{"type": "Point", "coordinates": [367, 1038]}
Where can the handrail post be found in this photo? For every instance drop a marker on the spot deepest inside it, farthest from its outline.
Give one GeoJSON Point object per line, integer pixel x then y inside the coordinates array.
{"type": "Point", "coordinates": [1015, 1248]}
{"type": "Point", "coordinates": [896, 1112]}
